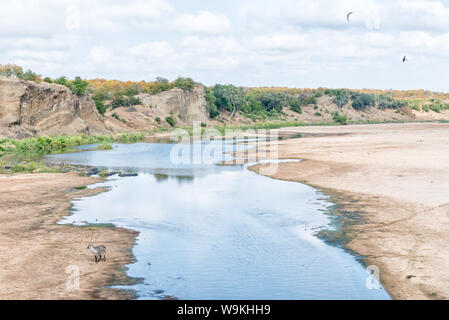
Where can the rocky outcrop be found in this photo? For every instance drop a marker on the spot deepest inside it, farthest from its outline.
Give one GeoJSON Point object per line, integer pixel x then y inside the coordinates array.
{"type": "Point", "coordinates": [187, 106]}
{"type": "Point", "coordinates": [29, 109]}
{"type": "Point", "coordinates": [184, 106]}
{"type": "Point", "coordinates": [33, 109]}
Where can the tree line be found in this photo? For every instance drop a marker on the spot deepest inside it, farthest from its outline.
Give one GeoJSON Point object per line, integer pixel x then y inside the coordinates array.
{"type": "Point", "coordinates": [255, 103]}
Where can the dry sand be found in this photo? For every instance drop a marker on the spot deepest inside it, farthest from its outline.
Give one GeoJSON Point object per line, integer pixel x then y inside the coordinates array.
{"type": "Point", "coordinates": [35, 252]}
{"type": "Point", "coordinates": [397, 177]}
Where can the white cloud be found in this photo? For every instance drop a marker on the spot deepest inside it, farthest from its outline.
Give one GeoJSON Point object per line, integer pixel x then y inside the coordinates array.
{"type": "Point", "coordinates": [288, 42]}
{"type": "Point", "coordinates": [100, 55]}
{"type": "Point", "coordinates": [203, 22]}
{"type": "Point", "coordinates": [151, 50]}
{"type": "Point", "coordinates": [281, 41]}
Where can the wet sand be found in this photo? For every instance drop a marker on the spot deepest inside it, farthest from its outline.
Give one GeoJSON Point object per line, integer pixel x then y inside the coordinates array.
{"type": "Point", "coordinates": [396, 176]}
{"type": "Point", "coordinates": [35, 252]}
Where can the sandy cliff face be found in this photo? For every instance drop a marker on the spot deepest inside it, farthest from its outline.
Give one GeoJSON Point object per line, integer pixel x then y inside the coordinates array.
{"type": "Point", "coordinates": [183, 106]}
{"type": "Point", "coordinates": [33, 109]}
{"type": "Point", "coordinates": [188, 106]}
{"type": "Point", "coordinates": [29, 109]}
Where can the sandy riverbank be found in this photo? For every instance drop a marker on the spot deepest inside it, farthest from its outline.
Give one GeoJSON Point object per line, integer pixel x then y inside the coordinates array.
{"type": "Point", "coordinates": [35, 252]}
{"type": "Point", "coordinates": [397, 177]}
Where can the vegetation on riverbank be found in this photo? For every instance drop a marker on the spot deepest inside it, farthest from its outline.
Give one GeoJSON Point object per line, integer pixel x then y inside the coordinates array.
{"type": "Point", "coordinates": [258, 104]}
{"type": "Point", "coordinates": [26, 155]}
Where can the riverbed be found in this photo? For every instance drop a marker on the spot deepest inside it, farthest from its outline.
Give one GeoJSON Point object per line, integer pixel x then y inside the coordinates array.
{"type": "Point", "coordinates": [218, 232]}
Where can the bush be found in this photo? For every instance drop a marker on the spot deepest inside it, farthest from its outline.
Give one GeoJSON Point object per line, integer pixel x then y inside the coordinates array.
{"type": "Point", "coordinates": [170, 121]}
{"type": "Point", "coordinates": [387, 102]}
{"type": "Point", "coordinates": [30, 76]}
{"type": "Point", "coordinates": [62, 81]}
{"type": "Point", "coordinates": [158, 120]}
{"type": "Point", "coordinates": [11, 71]}
{"type": "Point", "coordinates": [78, 86]}
{"type": "Point", "coordinates": [296, 105]}
{"type": "Point", "coordinates": [341, 119]}
{"type": "Point", "coordinates": [341, 96]}
{"type": "Point", "coordinates": [308, 99]}
{"type": "Point", "coordinates": [275, 100]}
{"type": "Point", "coordinates": [211, 99]}
{"type": "Point", "coordinates": [184, 83]}
{"type": "Point", "coordinates": [119, 100]}
{"type": "Point", "coordinates": [213, 111]}
{"type": "Point", "coordinates": [48, 80]}
{"type": "Point", "coordinates": [104, 146]}
{"type": "Point", "coordinates": [101, 107]}
{"type": "Point", "coordinates": [361, 101]}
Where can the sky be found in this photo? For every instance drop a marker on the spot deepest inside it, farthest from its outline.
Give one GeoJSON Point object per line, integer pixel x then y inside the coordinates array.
{"type": "Point", "coordinates": [291, 43]}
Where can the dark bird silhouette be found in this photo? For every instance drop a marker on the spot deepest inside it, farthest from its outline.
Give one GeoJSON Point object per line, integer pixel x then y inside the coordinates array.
{"type": "Point", "coordinates": [404, 59]}
{"type": "Point", "coordinates": [347, 17]}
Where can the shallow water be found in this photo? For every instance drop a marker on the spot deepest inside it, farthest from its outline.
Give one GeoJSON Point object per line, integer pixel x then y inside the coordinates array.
{"type": "Point", "coordinates": [217, 232]}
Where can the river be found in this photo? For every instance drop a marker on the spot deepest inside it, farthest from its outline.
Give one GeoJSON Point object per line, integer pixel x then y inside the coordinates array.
{"type": "Point", "coordinates": [218, 232]}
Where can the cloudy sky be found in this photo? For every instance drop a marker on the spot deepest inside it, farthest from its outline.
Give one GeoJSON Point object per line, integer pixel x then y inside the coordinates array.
{"type": "Point", "coordinates": [295, 43]}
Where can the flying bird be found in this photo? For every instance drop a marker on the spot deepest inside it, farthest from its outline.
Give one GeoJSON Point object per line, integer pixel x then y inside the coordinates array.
{"type": "Point", "coordinates": [404, 59]}
{"type": "Point", "coordinates": [347, 17]}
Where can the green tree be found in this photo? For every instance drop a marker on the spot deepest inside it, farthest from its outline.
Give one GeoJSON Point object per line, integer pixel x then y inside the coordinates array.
{"type": "Point", "coordinates": [62, 81]}
{"type": "Point", "coordinates": [79, 86]}
{"type": "Point", "coordinates": [184, 83]}
{"type": "Point", "coordinates": [212, 107]}
{"type": "Point", "coordinates": [229, 97]}
{"type": "Point", "coordinates": [30, 76]}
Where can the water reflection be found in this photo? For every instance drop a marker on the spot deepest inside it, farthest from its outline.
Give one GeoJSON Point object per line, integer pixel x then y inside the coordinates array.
{"type": "Point", "coordinates": [161, 178]}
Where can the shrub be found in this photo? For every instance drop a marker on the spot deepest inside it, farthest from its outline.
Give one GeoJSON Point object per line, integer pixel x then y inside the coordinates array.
{"type": "Point", "coordinates": [158, 120]}
{"type": "Point", "coordinates": [78, 86]}
{"type": "Point", "coordinates": [62, 81]}
{"type": "Point", "coordinates": [119, 100]}
{"type": "Point", "coordinates": [170, 121]}
{"type": "Point", "coordinates": [213, 111]}
{"type": "Point", "coordinates": [296, 105]}
{"type": "Point", "coordinates": [341, 119]}
{"type": "Point", "coordinates": [101, 107]}
{"type": "Point", "coordinates": [104, 146]}
{"type": "Point", "coordinates": [30, 76]}
{"type": "Point", "coordinates": [11, 71]}
{"type": "Point", "coordinates": [184, 83]}
{"type": "Point", "coordinates": [114, 115]}
{"type": "Point", "coordinates": [318, 114]}
{"type": "Point", "coordinates": [341, 96]}
{"type": "Point", "coordinates": [361, 101]}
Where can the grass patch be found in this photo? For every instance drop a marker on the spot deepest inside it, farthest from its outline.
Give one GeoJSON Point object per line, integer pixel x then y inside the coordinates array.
{"type": "Point", "coordinates": [27, 155]}
{"type": "Point", "coordinates": [104, 146]}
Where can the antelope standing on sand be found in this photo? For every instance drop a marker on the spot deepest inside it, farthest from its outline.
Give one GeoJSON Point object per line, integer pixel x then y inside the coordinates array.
{"type": "Point", "coordinates": [98, 252]}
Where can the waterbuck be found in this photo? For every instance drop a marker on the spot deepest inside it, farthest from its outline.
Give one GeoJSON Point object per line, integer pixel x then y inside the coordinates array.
{"type": "Point", "coordinates": [98, 252]}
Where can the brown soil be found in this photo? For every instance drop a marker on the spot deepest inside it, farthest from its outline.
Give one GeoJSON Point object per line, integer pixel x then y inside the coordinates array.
{"type": "Point", "coordinates": [397, 177]}
{"type": "Point", "coordinates": [35, 252]}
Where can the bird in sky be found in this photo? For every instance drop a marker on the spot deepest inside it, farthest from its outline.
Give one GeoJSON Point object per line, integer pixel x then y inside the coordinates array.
{"type": "Point", "coordinates": [404, 59]}
{"type": "Point", "coordinates": [347, 17]}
